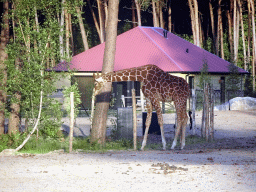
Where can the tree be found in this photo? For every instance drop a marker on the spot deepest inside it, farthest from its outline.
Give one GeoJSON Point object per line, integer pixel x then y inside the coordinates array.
{"type": "Point", "coordinates": [253, 42]}
{"type": "Point", "coordinates": [35, 41]}
{"type": "Point", "coordinates": [155, 15]}
{"type": "Point", "coordinates": [138, 8]}
{"type": "Point", "coordinates": [235, 30]}
{"type": "Point", "coordinates": [81, 24]}
{"type": "Point", "coordinates": [101, 12]}
{"type": "Point", "coordinates": [3, 58]}
{"type": "Point", "coordinates": [242, 29]}
{"type": "Point", "coordinates": [220, 32]}
{"type": "Point", "coordinates": [193, 5]}
{"type": "Point", "coordinates": [98, 131]}
{"type": "Point", "coordinates": [204, 76]}
{"type": "Point", "coordinates": [169, 16]}
{"type": "Point", "coordinates": [212, 23]}
{"type": "Point", "coordinates": [233, 80]}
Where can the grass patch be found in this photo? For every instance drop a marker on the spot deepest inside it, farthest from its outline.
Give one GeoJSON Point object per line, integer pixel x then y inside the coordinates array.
{"type": "Point", "coordinates": [47, 144]}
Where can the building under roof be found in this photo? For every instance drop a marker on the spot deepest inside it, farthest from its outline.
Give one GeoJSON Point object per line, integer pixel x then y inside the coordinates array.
{"type": "Point", "coordinates": [149, 45]}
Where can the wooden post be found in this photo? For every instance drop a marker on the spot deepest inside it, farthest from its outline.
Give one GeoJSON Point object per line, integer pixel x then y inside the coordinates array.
{"type": "Point", "coordinates": [92, 107]}
{"type": "Point", "coordinates": [71, 129]}
{"type": "Point", "coordinates": [134, 120]}
{"type": "Point", "coordinates": [212, 115]}
{"type": "Point", "coordinates": [193, 111]}
{"type": "Point", "coordinates": [203, 116]}
{"type": "Point", "coordinates": [207, 112]}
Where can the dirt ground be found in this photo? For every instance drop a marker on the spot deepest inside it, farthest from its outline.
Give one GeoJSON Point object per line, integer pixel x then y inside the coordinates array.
{"type": "Point", "coordinates": [228, 164]}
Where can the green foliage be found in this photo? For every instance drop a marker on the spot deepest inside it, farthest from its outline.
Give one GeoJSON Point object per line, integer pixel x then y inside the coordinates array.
{"type": "Point", "coordinates": [34, 49]}
{"type": "Point", "coordinates": [248, 86]}
{"type": "Point", "coordinates": [186, 37]}
{"type": "Point", "coordinates": [77, 98]}
{"type": "Point", "coordinates": [11, 141]}
{"type": "Point", "coordinates": [233, 80]}
{"type": "Point", "coordinates": [208, 45]}
{"type": "Point", "coordinates": [204, 77]}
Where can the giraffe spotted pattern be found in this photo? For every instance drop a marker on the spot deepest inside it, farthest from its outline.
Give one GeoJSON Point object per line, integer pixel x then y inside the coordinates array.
{"type": "Point", "coordinates": [157, 86]}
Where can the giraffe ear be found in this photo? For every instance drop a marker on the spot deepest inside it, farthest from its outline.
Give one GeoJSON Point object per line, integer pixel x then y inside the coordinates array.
{"type": "Point", "coordinates": [96, 75]}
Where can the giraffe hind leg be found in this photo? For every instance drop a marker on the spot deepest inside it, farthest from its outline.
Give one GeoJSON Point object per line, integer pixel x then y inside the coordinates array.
{"type": "Point", "coordinates": [183, 129]}
{"type": "Point", "coordinates": [182, 119]}
{"type": "Point", "coordinates": [177, 132]}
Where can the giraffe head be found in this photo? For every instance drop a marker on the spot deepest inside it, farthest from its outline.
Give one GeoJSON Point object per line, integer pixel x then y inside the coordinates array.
{"type": "Point", "coordinates": [98, 84]}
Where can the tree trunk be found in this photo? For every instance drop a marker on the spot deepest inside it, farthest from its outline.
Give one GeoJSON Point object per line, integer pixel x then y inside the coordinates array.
{"type": "Point", "coordinates": [133, 15]}
{"type": "Point", "coordinates": [161, 18]}
{"type": "Point", "coordinates": [195, 21]}
{"type": "Point", "coordinates": [94, 18]}
{"type": "Point", "coordinates": [192, 16]}
{"type": "Point", "coordinates": [138, 12]}
{"type": "Point", "coordinates": [101, 12]}
{"type": "Point", "coordinates": [106, 12]}
{"type": "Point", "coordinates": [213, 26]}
{"type": "Point", "coordinates": [155, 18]}
{"type": "Point", "coordinates": [220, 30]}
{"type": "Point", "coordinates": [3, 58]}
{"type": "Point", "coordinates": [235, 32]}
{"type": "Point", "coordinates": [67, 33]}
{"type": "Point", "coordinates": [217, 45]}
{"type": "Point", "coordinates": [249, 36]}
{"type": "Point", "coordinates": [242, 28]}
{"type": "Point", "coordinates": [71, 34]}
{"type": "Point", "coordinates": [230, 35]}
{"type": "Point", "coordinates": [61, 30]}
{"type": "Point", "coordinates": [14, 120]}
{"type": "Point", "coordinates": [100, 117]}
{"type": "Point", "coordinates": [81, 24]}
{"type": "Point", "coordinates": [169, 17]}
{"type": "Point", "coordinates": [253, 44]}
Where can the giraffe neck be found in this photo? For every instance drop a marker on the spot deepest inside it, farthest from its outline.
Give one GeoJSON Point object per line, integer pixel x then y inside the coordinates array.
{"type": "Point", "coordinates": [133, 74]}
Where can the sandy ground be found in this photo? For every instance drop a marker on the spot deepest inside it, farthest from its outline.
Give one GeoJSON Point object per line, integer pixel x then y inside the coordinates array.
{"type": "Point", "coordinates": [228, 164]}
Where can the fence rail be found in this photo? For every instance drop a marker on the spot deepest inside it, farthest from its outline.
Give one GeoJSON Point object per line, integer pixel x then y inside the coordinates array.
{"type": "Point", "coordinates": [229, 94]}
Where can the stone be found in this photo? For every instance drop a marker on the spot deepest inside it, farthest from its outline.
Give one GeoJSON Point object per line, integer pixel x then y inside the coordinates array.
{"type": "Point", "coordinates": [238, 103]}
{"type": "Point", "coordinates": [242, 103]}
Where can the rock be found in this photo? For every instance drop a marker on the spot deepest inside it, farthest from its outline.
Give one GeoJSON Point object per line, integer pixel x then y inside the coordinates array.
{"type": "Point", "coordinates": [238, 103]}
{"type": "Point", "coordinates": [242, 103]}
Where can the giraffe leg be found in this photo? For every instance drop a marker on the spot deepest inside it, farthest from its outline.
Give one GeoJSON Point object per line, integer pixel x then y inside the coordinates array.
{"type": "Point", "coordinates": [148, 122]}
{"type": "Point", "coordinates": [182, 119]}
{"type": "Point", "coordinates": [156, 105]}
{"type": "Point", "coordinates": [177, 132]}
{"type": "Point", "coordinates": [183, 128]}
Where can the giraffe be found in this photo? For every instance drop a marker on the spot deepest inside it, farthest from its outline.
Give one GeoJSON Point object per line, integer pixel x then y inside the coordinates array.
{"type": "Point", "coordinates": [157, 86]}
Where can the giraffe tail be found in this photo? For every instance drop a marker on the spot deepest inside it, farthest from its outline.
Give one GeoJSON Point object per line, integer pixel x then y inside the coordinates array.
{"type": "Point", "coordinates": [190, 118]}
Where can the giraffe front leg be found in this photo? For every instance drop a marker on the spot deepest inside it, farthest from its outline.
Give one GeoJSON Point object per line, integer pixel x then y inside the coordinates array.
{"type": "Point", "coordinates": [174, 143]}
{"type": "Point", "coordinates": [148, 122]}
{"type": "Point", "coordinates": [177, 132]}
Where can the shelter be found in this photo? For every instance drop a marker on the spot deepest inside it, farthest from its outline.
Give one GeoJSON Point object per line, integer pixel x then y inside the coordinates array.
{"type": "Point", "coordinates": [149, 45]}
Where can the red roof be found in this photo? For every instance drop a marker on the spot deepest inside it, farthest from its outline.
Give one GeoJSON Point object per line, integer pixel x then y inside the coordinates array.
{"type": "Point", "coordinates": [147, 45]}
